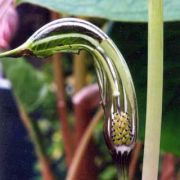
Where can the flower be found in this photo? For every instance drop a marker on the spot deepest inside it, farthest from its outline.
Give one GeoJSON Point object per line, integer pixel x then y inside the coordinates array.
{"type": "Point", "coordinates": [8, 22]}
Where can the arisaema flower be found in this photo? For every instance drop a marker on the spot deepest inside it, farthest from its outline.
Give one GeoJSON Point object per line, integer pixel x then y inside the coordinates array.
{"type": "Point", "coordinates": [114, 78]}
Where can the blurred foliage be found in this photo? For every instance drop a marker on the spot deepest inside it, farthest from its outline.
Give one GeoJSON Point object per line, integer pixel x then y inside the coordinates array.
{"type": "Point", "coordinates": [31, 86]}
{"type": "Point", "coordinates": [126, 10]}
{"type": "Point", "coordinates": [109, 173]}
{"type": "Point", "coordinates": [34, 87]}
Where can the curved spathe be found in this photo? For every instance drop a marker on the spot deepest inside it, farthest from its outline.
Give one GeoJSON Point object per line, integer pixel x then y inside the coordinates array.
{"type": "Point", "coordinates": [115, 82]}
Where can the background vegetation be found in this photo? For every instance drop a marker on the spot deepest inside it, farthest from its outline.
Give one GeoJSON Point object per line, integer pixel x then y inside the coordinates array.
{"type": "Point", "coordinates": [37, 89]}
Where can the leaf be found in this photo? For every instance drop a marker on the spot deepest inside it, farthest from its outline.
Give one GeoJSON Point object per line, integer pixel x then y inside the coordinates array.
{"type": "Point", "coordinates": [108, 173]}
{"type": "Point", "coordinates": [28, 84]}
{"type": "Point", "coordinates": [170, 132]}
{"type": "Point", "coordinates": [123, 10]}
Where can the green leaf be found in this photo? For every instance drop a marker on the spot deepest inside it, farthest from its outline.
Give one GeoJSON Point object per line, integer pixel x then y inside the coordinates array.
{"type": "Point", "coordinates": [124, 10]}
{"type": "Point", "coordinates": [108, 173]}
{"type": "Point", "coordinates": [28, 83]}
{"type": "Point", "coordinates": [170, 132]}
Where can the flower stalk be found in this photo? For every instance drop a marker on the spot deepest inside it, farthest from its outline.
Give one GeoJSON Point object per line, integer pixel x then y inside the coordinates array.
{"type": "Point", "coordinates": [154, 93]}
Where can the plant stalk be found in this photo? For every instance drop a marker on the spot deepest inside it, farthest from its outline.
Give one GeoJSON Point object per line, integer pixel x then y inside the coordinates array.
{"type": "Point", "coordinates": [61, 102]}
{"type": "Point", "coordinates": [80, 70]}
{"type": "Point", "coordinates": [122, 172]}
{"type": "Point", "coordinates": [83, 145]}
{"type": "Point", "coordinates": [34, 133]}
{"type": "Point", "coordinates": [154, 91]}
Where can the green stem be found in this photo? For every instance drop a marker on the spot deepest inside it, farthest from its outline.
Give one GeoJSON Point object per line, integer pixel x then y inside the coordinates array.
{"type": "Point", "coordinates": [34, 133]}
{"type": "Point", "coordinates": [79, 70]}
{"type": "Point", "coordinates": [32, 129]}
{"type": "Point", "coordinates": [154, 94]}
{"type": "Point", "coordinates": [122, 173]}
